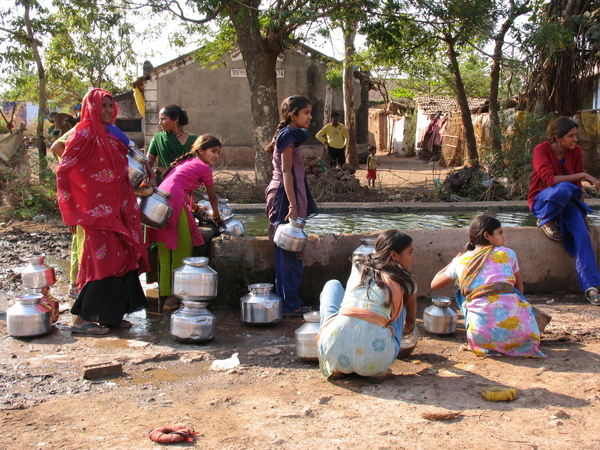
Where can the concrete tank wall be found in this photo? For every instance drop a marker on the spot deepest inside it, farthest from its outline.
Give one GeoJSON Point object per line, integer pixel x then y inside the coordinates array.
{"type": "Point", "coordinates": [545, 265]}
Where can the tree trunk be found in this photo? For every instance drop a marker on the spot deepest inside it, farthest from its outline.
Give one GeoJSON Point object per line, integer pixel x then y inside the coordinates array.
{"type": "Point", "coordinates": [463, 103]}
{"type": "Point", "coordinates": [497, 58]}
{"type": "Point", "coordinates": [327, 115]}
{"type": "Point", "coordinates": [260, 57]}
{"type": "Point", "coordinates": [42, 90]}
{"type": "Point", "coordinates": [349, 116]}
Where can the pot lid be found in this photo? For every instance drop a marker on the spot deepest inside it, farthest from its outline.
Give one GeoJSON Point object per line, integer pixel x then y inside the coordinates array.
{"type": "Point", "coordinates": [196, 261]}
{"type": "Point", "coordinates": [442, 302]}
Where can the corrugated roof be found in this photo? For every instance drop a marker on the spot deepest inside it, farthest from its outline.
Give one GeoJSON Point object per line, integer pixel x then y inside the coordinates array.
{"type": "Point", "coordinates": [431, 104]}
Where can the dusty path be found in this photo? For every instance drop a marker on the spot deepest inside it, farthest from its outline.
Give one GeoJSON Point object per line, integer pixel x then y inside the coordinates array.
{"type": "Point", "coordinates": [273, 400]}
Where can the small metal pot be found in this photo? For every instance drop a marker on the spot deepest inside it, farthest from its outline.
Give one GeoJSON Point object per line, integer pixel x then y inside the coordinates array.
{"type": "Point", "coordinates": [367, 247]}
{"type": "Point", "coordinates": [439, 318]}
{"type": "Point", "coordinates": [36, 274]}
{"type": "Point", "coordinates": [193, 322]}
{"type": "Point", "coordinates": [261, 305]}
{"type": "Point", "coordinates": [28, 318]}
{"type": "Point", "coordinates": [136, 169]}
{"type": "Point", "coordinates": [233, 227]}
{"type": "Point", "coordinates": [408, 342]}
{"type": "Point", "coordinates": [306, 337]}
{"type": "Point", "coordinates": [155, 209]}
{"type": "Point", "coordinates": [291, 236]}
{"type": "Point", "coordinates": [195, 280]}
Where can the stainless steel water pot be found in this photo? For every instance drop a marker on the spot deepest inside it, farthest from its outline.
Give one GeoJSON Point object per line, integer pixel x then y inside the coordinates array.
{"type": "Point", "coordinates": [136, 167]}
{"type": "Point", "coordinates": [306, 337]}
{"type": "Point", "coordinates": [408, 342]}
{"type": "Point", "coordinates": [261, 305]}
{"type": "Point", "coordinates": [291, 236]}
{"type": "Point", "coordinates": [233, 227]}
{"type": "Point", "coordinates": [195, 280]}
{"type": "Point", "coordinates": [155, 209]}
{"type": "Point", "coordinates": [36, 274]}
{"type": "Point", "coordinates": [193, 322]}
{"type": "Point", "coordinates": [47, 299]}
{"type": "Point", "coordinates": [367, 247]}
{"type": "Point", "coordinates": [27, 317]}
{"type": "Point", "coordinates": [439, 318]}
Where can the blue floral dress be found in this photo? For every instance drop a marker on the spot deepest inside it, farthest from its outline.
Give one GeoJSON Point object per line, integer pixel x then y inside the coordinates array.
{"type": "Point", "coordinates": [352, 345]}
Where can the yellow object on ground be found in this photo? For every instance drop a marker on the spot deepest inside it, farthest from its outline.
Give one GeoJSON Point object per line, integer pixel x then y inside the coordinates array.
{"type": "Point", "coordinates": [499, 393]}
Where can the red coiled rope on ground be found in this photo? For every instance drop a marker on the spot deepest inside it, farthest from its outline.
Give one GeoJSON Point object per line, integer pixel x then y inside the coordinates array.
{"type": "Point", "coordinates": [169, 435]}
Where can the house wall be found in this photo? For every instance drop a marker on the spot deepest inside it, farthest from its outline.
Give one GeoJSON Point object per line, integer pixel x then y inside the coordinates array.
{"type": "Point", "coordinates": [128, 110]}
{"type": "Point", "coordinates": [218, 101]}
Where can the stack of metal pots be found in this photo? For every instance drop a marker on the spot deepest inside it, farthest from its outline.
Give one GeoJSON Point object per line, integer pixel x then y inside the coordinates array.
{"type": "Point", "coordinates": [261, 306]}
{"type": "Point", "coordinates": [33, 313]}
{"type": "Point", "coordinates": [195, 284]}
{"type": "Point", "coordinates": [306, 337]}
{"type": "Point", "coordinates": [37, 279]}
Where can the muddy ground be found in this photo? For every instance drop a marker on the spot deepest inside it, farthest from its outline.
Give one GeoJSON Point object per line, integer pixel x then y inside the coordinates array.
{"type": "Point", "coordinates": [273, 400]}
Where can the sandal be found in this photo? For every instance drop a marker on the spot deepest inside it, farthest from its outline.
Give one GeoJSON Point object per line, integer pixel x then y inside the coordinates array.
{"type": "Point", "coordinates": [336, 375]}
{"type": "Point", "coordinates": [550, 231]}
{"type": "Point", "coordinates": [593, 296]}
{"type": "Point", "coordinates": [299, 312]}
{"type": "Point", "coordinates": [379, 379]}
{"type": "Point", "coordinates": [171, 303]}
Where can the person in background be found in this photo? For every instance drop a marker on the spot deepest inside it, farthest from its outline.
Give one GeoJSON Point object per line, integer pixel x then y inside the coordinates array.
{"type": "Point", "coordinates": [557, 200]}
{"type": "Point", "coordinates": [181, 234]}
{"type": "Point", "coordinates": [95, 193]}
{"type": "Point", "coordinates": [498, 318]}
{"type": "Point", "coordinates": [335, 136]}
{"type": "Point", "coordinates": [172, 142]}
{"type": "Point", "coordinates": [361, 327]}
{"type": "Point", "coordinates": [372, 165]}
{"type": "Point", "coordinates": [288, 196]}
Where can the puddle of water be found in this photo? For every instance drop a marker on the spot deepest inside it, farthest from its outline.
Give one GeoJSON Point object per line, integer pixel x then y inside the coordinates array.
{"type": "Point", "coordinates": [367, 222]}
{"type": "Point", "coordinates": [157, 375]}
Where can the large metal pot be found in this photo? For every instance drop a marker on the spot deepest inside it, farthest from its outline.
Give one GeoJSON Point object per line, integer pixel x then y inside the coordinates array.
{"type": "Point", "coordinates": [36, 274]}
{"type": "Point", "coordinates": [306, 337]}
{"type": "Point", "coordinates": [155, 209]}
{"type": "Point", "coordinates": [136, 169]}
{"type": "Point", "coordinates": [193, 322]}
{"type": "Point", "coordinates": [261, 305]}
{"type": "Point", "coordinates": [195, 280]}
{"type": "Point", "coordinates": [28, 318]}
{"type": "Point", "coordinates": [439, 318]}
{"type": "Point", "coordinates": [291, 236]}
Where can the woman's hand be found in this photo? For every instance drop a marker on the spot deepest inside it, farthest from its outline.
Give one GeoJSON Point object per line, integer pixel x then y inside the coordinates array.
{"type": "Point", "coordinates": [73, 229]}
{"type": "Point", "coordinates": [593, 181]}
{"type": "Point", "coordinates": [292, 214]}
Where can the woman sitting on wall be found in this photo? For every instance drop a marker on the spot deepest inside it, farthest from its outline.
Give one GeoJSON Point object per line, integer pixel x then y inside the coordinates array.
{"type": "Point", "coordinates": [557, 200]}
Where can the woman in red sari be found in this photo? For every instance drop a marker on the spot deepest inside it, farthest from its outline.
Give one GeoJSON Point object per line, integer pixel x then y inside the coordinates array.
{"type": "Point", "coordinates": [94, 191]}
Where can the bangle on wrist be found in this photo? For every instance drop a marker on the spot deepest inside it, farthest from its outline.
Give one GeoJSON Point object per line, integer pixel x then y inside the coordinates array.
{"type": "Point", "coordinates": [216, 217]}
{"type": "Point", "coordinates": [291, 206]}
{"type": "Point", "coordinates": [152, 174]}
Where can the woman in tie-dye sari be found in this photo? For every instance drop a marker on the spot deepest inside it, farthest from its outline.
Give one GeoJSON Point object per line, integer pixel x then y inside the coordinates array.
{"type": "Point", "coordinates": [498, 318]}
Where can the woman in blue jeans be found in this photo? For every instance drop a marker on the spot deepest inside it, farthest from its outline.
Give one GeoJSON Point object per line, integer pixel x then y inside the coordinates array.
{"type": "Point", "coordinates": [361, 326]}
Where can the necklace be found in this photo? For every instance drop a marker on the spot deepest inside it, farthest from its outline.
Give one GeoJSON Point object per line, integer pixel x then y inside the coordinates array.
{"type": "Point", "coordinates": [178, 135]}
{"type": "Point", "coordinates": [559, 153]}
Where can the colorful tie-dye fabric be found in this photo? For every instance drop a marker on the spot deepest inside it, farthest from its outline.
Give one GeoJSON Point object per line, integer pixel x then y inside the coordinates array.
{"type": "Point", "coordinates": [501, 324]}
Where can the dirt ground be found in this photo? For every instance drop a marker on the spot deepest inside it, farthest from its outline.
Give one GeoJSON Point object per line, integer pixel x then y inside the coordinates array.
{"type": "Point", "coordinates": [273, 400]}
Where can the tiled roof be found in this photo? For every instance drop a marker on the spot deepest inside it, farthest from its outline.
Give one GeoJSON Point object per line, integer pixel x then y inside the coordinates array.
{"type": "Point", "coordinates": [433, 104]}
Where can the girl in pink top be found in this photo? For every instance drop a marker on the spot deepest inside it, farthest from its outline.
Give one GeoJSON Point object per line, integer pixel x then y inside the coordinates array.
{"type": "Point", "coordinates": [179, 237]}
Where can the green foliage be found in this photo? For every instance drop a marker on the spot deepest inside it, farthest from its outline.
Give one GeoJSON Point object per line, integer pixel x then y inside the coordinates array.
{"type": "Point", "coordinates": [513, 161]}
{"type": "Point", "coordinates": [335, 78]}
{"type": "Point", "coordinates": [27, 196]}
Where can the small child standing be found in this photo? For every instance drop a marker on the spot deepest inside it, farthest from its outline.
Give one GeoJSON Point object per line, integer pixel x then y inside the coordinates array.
{"type": "Point", "coordinates": [372, 165]}
{"type": "Point", "coordinates": [179, 237]}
